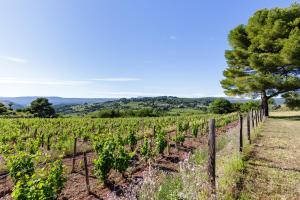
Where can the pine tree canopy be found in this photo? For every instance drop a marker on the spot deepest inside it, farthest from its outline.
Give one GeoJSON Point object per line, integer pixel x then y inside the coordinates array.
{"type": "Point", "coordinates": [264, 59]}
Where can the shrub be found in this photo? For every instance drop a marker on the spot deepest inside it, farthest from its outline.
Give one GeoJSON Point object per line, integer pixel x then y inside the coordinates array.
{"type": "Point", "coordinates": [35, 184]}
{"type": "Point", "coordinates": [220, 106]}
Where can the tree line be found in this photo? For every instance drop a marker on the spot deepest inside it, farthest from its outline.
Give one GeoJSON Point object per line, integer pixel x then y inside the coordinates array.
{"type": "Point", "coordinates": [41, 107]}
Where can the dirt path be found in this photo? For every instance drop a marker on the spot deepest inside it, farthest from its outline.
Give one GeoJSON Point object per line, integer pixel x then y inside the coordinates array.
{"type": "Point", "coordinates": [273, 171]}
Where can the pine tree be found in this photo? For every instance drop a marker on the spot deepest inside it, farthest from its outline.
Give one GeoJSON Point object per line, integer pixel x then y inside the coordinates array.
{"type": "Point", "coordinates": [264, 59]}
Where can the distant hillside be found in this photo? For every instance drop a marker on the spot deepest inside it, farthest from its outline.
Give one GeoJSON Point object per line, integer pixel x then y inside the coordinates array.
{"type": "Point", "coordinates": [82, 106]}
{"type": "Point", "coordinates": [165, 103]}
{"type": "Point", "coordinates": [161, 103]}
{"type": "Point", "coordinates": [21, 102]}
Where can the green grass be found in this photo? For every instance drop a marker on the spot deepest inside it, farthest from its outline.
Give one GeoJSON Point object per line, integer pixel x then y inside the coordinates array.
{"type": "Point", "coordinates": [232, 179]}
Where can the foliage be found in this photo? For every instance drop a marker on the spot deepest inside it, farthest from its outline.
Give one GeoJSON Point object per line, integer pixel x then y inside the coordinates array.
{"type": "Point", "coordinates": [108, 136]}
{"type": "Point", "coordinates": [179, 137]}
{"type": "Point", "coordinates": [145, 149]}
{"type": "Point", "coordinates": [292, 100]}
{"type": "Point", "coordinates": [220, 106]}
{"type": "Point", "coordinates": [195, 129]}
{"type": "Point", "coordinates": [20, 166]}
{"type": "Point", "coordinates": [138, 107]}
{"type": "Point", "coordinates": [121, 159]}
{"type": "Point", "coordinates": [264, 59]}
{"type": "Point", "coordinates": [105, 160]}
{"type": "Point", "coordinates": [160, 142]}
{"type": "Point", "coordinates": [3, 109]}
{"type": "Point", "coordinates": [42, 108]}
{"type": "Point", "coordinates": [249, 105]}
{"type": "Point", "coordinates": [132, 140]}
{"type": "Point", "coordinates": [31, 183]}
{"type": "Point", "coordinates": [111, 155]}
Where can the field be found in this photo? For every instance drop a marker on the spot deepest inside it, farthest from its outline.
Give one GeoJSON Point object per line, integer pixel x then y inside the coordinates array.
{"type": "Point", "coordinates": [158, 143]}
{"type": "Point", "coordinates": [273, 170]}
{"type": "Point", "coordinates": [156, 158]}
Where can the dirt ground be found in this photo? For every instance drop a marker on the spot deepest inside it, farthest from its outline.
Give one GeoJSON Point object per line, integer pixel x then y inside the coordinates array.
{"type": "Point", "coordinates": [273, 171]}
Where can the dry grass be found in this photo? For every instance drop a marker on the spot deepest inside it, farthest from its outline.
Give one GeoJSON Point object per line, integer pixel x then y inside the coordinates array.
{"type": "Point", "coordinates": [274, 169]}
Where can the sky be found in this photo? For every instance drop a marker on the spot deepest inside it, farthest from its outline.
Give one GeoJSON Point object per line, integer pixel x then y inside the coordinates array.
{"type": "Point", "coordinates": [118, 48]}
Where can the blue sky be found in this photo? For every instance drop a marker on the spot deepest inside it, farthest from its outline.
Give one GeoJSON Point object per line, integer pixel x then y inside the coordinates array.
{"type": "Point", "coordinates": [118, 48]}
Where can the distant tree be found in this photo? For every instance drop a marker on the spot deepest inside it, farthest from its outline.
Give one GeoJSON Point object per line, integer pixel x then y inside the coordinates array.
{"type": "Point", "coordinates": [10, 105]}
{"type": "Point", "coordinates": [42, 108]}
{"type": "Point", "coordinates": [265, 56]}
{"type": "Point", "coordinates": [236, 106]}
{"type": "Point", "coordinates": [249, 105]}
{"type": "Point", "coordinates": [220, 106]}
{"type": "Point", "coordinates": [3, 109]}
{"type": "Point", "coordinates": [292, 100]}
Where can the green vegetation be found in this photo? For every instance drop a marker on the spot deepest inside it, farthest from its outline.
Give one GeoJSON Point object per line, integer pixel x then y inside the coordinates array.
{"type": "Point", "coordinates": [264, 59]}
{"type": "Point", "coordinates": [30, 147]}
{"type": "Point", "coordinates": [139, 107]}
{"type": "Point", "coordinates": [292, 100]}
{"type": "Point", "coordinates": [111, 155]}
{"type": "Point", "coordinates": [247, 106]}
{"type": "Point", "coordinates": [220, 106]}
{"type": "Point", "coordinates": [32, 183]}
{"type": "Point", "coordinates": [42, 108]}
{"type": "Point", "coordinates": [126, 113]}
{"type": "Point", "coordinates": [3, 109]}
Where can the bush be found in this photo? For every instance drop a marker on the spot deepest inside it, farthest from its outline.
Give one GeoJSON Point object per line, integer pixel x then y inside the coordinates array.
{"type": "Point", "coordinates": [3, 109]}
{"type": "Point", "coordinates": [35, 184]}
{"type": "Point", "coordinates": [41, 107]}
{"type": "Point", "coordinates": [292, 100]}
{"type": "Point", "coordinates": [220, 106]}
{"type": "Point", "coordinates": [249, 105]}
{"type": "Point", "coordinates": [111, 113]}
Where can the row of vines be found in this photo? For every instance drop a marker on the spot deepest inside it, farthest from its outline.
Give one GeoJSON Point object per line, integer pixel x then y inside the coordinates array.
{"type": "Point", "coordinates": [32, 150]}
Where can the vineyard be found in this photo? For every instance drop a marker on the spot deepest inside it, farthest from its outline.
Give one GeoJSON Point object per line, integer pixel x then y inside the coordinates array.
{"type": "Point", "coordinates": [42, 158]}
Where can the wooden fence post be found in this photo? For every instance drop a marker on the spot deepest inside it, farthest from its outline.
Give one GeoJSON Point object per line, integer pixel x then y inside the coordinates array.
{"type": "Point", "coordinates": [256, 117]}
{"type": "Point", "coordinates": [42, 140]}
{"type": "Point", "coordinates": [212, 155]}
{"type": "Point", "coordinates": [48, 142]}
{"type": "Point", "coordinates": [169, 140]}
{"type": "Point", "coordinates": [74, 154]}
{"type": "Point", "coordinates": [252, 119]}
{"type": "Point", "coordinates": [152, 138]}
{"type": "Point", "coordinates": [86, 173]}
{"type": "Point", "coordinates": [241, 133]}
{"type": "Point", "coordinates": [248, 128]}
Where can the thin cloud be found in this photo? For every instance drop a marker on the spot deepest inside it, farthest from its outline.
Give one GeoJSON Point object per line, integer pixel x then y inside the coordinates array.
{"type": "Point", "coordinates": [117, 79]}
{"type": "Point", "coordinates": [43, 82]}
{"type": "Point", "coordinates": [14, 59]}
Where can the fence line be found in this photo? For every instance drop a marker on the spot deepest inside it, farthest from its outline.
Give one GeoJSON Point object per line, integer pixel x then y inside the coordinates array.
{"type": "Point", "coordinates": [212, 138]}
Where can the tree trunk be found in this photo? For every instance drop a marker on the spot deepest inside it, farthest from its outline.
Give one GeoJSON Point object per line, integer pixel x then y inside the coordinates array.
{"type": "Point", "coordinates": [264, 103]}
